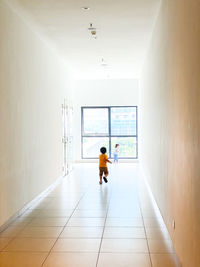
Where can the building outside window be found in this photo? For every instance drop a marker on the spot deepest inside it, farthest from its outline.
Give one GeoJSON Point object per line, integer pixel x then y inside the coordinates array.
{"type": "Point", "coordinates": [107, 126]}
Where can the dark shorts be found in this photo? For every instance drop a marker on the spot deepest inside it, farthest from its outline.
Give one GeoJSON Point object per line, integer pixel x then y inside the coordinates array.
{"type": "Point", "coordinates": [103, 170]}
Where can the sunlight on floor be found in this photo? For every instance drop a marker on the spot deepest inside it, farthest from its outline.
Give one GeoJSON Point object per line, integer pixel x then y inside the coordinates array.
{"type": "Point", "coordinates": [82, 223]}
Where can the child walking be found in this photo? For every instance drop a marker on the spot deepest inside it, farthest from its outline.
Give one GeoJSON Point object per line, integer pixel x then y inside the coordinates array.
{"type": "Point", "coordinates": [116, 153]}
{"type": "Point", "coordinates": [103, 159]}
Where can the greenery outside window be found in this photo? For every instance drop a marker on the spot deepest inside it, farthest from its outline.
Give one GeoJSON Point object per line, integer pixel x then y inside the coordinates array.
{"type": "Point", "coordinates": [107, 126]}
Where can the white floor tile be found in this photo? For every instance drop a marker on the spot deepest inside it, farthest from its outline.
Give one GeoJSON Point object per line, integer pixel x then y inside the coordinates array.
{"type": "Point", "coordinates": [67, 259]}
{"type": "Point", "coordinates": [82, 232]}
{"type": "Point", "coordinates": [123, 260]}
{"type": "Point", "coordinates": [124, 245]}
{"type": "Point", "coordinates": [124, 232]}
{"type": "Point", "coordinates": [77, 245]}
{"type": "Point", "coordinates": [79, 212]}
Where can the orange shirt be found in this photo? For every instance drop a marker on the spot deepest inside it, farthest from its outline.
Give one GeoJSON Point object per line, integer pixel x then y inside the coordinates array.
{"type": "Point", "coordinates": [103, 160]}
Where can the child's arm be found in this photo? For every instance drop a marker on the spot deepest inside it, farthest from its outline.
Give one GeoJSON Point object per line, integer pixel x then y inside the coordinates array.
{"type": "Point", "coordinates": [109, 161]}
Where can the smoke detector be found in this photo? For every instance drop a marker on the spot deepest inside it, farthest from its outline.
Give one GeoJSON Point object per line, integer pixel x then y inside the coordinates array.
{"type": "Point", "coordinates": [103, 63]}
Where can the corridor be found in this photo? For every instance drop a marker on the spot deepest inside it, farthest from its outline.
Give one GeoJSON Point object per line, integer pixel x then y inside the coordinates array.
{"type": "Point", "coordinates": [84, 224]}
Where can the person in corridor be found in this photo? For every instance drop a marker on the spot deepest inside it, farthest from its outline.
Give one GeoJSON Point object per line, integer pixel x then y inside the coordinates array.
{"type": "Point", "coordinates": [116, 153]}
{"type": "Point", "coordinates": [103, 170]}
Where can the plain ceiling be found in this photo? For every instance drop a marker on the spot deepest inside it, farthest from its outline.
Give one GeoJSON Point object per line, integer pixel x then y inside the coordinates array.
{"type": "Point", "coordinates": [124, 29]}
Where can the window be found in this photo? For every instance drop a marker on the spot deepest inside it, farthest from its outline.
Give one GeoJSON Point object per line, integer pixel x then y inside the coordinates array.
{"type": "Point", "coordinates": [107, 126]}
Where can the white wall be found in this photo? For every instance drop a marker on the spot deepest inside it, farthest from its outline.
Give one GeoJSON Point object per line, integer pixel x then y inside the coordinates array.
{"type": "Point", "coordinates": [33, 84]}
{"type": "Point", "coordinates": [100, 93]}
{"type": "Point", "coordinates": [170, 123]}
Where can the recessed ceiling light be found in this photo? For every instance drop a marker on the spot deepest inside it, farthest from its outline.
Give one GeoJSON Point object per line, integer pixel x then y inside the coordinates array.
{"type": "Point", "coordinates": [85, 8]}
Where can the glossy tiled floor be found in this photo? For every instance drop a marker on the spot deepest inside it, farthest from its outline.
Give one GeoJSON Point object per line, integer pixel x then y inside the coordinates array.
{"type": "Point", "coordinates": [84, 224]}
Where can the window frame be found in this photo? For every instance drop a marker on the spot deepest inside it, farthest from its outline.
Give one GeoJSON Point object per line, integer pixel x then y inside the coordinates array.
{"type": "Point", "coordinates": [109, 136]}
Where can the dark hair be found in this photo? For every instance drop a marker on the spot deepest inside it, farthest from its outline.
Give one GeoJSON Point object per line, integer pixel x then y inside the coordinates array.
{"type": "Point", "coordinates": [103, 150]}
{"type": "Point", "coordinates": [116, 145]}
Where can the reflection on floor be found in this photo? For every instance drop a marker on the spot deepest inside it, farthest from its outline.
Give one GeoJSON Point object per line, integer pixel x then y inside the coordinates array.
{"type": "Point", "coordinates": [82, 223]}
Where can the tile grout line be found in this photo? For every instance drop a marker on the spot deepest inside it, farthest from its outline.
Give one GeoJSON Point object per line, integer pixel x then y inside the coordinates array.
{"type": "Point", "coordinates": [21, 216]}
{"type": "Point", "coordinates": [62, 230]}
{"type": "Point", "coordinates": [103, 232]}
{"type": "Point", "coordinates": [14, 237]}
{"type": "Point", "coordinates": [106, 217]}
{"type": "Point", "coordinates": [40, 199]}
{"type": "Point", "coordinates": [145, 233]}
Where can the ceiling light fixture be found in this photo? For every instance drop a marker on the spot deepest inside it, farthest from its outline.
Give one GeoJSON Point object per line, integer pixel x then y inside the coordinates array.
{"type": "Point", "coordinates": [103, 63]}
{"type": "Point", "coordinates": [85, 8]}
{"type": "Point", "coordinates": [93, 31]}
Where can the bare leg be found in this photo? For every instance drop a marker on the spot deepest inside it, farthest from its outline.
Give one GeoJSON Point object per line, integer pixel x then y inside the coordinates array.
{"type": "Point", "coordinates": [100, 179]}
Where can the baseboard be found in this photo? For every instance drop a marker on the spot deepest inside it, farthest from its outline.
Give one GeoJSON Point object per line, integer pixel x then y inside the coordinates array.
{"type": "Point", "coordinates": [43, 194]}
{"type": "Point", "coordinates": [145, 174]}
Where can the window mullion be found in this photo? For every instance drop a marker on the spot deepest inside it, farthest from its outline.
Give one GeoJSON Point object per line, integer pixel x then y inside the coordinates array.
{"type": "Point", "coordinates": [109, 128]}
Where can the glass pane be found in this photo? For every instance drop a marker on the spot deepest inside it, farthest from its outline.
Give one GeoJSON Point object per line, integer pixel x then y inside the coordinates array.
{"type": "Point", "coordinates": [95, 121]}
{"type": "Point", "coordinates": [127, 146]}
{"type": "Point", "coordinates": [123, 121]}
{"type": "Point", "coordinates": [92, 145]}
